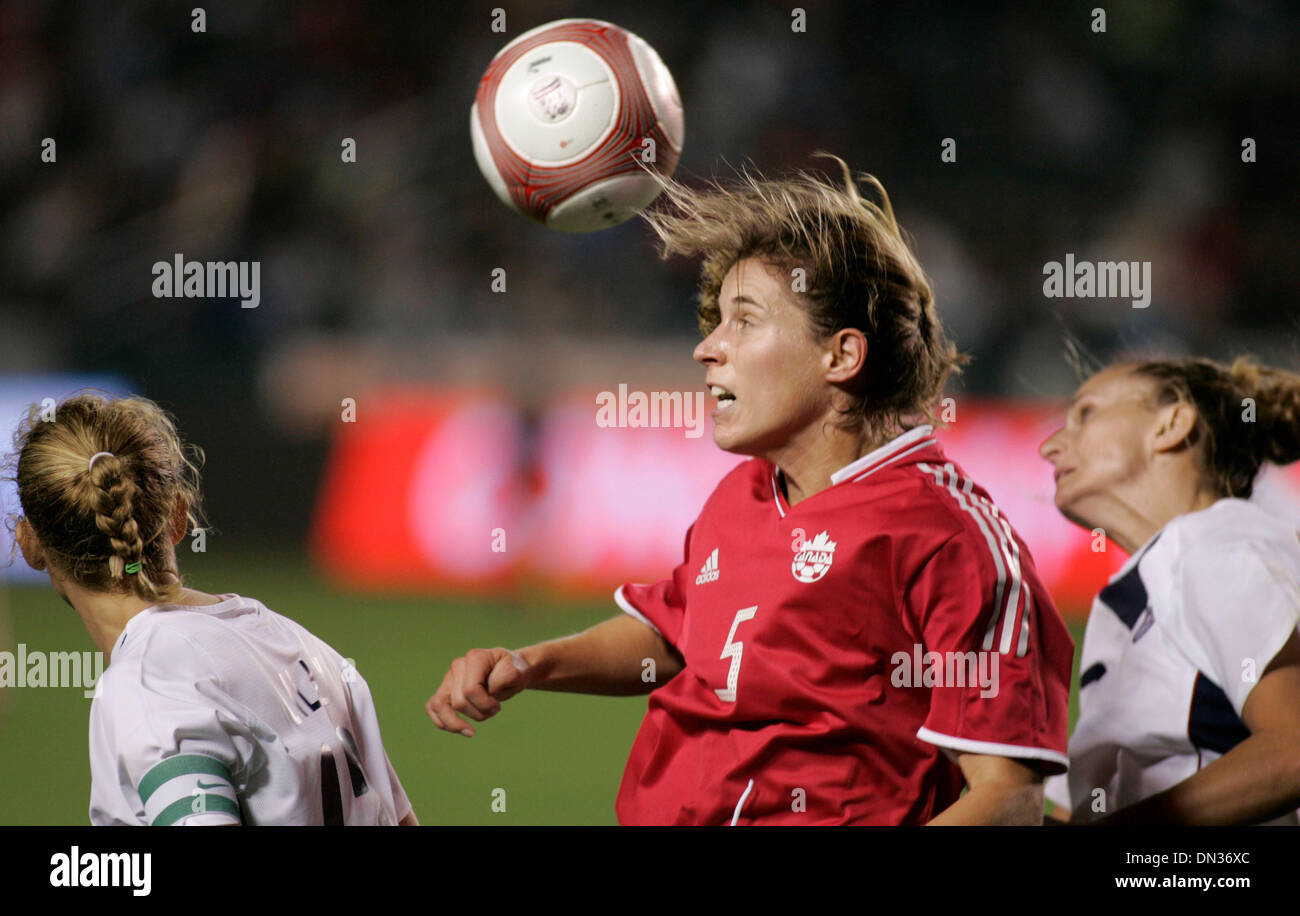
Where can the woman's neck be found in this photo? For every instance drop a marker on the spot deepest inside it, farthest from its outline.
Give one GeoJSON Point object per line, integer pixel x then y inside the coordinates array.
{"type": "Point", "coordinates": [106, 615]}
{"type": "Point", "coordinates": [1132, 522]}
{"type": "Point", "coordinates": [808, 463]}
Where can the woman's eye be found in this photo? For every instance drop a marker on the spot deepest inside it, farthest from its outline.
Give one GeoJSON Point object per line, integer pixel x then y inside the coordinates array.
{"type": "Point", "coordinates": [1083, 412]}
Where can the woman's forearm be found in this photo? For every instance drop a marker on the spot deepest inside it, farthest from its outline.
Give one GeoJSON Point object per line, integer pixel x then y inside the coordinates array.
{"type": "Point", "coordinates": [1256, 781]}
{"type": "Point", "coordinates": [619, 657]}
{"type": "Point", "coordinates": [995, 805]}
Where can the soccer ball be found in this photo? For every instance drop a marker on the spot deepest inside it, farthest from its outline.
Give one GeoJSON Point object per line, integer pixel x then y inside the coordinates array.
{"type": "Point", "coordinates": [567, 119]}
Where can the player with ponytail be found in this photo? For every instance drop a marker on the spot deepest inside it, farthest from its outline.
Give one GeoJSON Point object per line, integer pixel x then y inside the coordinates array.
{"type": "Point", "coordinates": [213, 709]}
{"type": "Point", "coordinates": [1189, 704]}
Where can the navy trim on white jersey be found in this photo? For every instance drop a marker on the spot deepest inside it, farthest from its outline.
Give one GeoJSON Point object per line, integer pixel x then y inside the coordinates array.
{"type": "Point", "coordinates": [1093, 673]}
{"type": "Point", "coordinates": [1126, 597]}
{"type": "Point", "coordinates": [1212, 723]}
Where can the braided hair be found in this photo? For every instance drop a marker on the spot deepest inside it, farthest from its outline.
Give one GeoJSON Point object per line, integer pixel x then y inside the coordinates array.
{"type": "Point", "coordinates": [108, 524]}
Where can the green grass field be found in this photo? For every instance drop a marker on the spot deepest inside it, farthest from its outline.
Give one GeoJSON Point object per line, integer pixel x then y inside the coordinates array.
{"type": "Point", "coordinates": [558, 757]}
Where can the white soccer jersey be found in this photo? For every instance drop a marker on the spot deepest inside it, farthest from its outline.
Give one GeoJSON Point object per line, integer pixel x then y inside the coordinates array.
{"type": "Point", "coordinates": [1173, 646]}
{"type": "Point", "coordinates": [231, 713]}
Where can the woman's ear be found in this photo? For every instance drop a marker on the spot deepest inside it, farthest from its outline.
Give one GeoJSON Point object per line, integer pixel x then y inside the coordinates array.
{"type": "Point", "coordinates": [846, 356]}
{"type": "Point", "coordinates": [1175, 427]}
{"type": "Point", "coordinates": [30, 546]}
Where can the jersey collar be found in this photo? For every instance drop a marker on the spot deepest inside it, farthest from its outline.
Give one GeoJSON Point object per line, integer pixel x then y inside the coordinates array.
{"type": "Point", "coordinates": [887, 453]}
{"type": "Point", "coordinates": [229, 601]}
{"type": "Point", "coordinates": [896, 448]}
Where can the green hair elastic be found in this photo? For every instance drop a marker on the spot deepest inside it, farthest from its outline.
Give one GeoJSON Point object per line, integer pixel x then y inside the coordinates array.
{"type": "Point", "coordinates": [133, 568]}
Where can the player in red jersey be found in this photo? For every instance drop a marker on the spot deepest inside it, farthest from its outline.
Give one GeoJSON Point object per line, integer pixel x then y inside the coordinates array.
{"type": "Point", "coordinates": [855, 632]}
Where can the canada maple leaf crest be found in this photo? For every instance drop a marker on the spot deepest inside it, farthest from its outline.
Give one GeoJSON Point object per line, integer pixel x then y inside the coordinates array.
{"type": "Point", "coordinates": [813, 558]}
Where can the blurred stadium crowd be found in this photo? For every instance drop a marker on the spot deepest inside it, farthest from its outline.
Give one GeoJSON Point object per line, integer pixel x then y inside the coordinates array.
{"type": "Point", "coordinates": [226, 145]}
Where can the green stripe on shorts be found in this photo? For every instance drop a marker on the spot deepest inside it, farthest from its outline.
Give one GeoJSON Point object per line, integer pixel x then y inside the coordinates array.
{"type": "Point", "coordinates": [181, 765]}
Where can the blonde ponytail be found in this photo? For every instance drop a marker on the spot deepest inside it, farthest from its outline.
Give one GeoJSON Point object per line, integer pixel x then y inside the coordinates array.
{"type": "Point", "coordinates": [1275, 394]}
{"type": "Point", "coordinates": [1246, 414]}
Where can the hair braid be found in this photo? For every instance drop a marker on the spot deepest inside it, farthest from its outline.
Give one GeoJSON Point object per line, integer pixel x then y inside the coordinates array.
{"type": "Point", "coordinates": [97, 521]}
{"type": "Point", "coordinates": [112, 499]}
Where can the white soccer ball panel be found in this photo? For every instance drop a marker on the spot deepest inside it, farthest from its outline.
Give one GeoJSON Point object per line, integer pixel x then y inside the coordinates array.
{"type": "Point", "coordinates": [486, 164]}
{"type": "Point", "coordinates": [556, 103]}
{"type": "Point", "coordinates": [604, 204]}
{"type": "Point", "coordinates": [661, 89]}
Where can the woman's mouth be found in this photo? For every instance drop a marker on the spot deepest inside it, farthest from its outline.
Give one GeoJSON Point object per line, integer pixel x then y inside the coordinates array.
{"type": "Point", "coordinates": [725, 397]}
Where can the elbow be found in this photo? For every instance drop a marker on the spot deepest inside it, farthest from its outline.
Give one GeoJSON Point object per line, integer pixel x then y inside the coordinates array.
{"type": "Point", "coordinates": [1014, 804]}
{"type": "Point", "coordinates": [670, 662]}
{"type": "Point", "coordinates": [1025, 806]}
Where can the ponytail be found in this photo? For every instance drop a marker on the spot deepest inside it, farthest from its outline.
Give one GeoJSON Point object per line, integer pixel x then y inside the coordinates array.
{"type": "Point", "coordinates": [1246, 414]}
{"type": "Point", "coordinates": [1275, 395]}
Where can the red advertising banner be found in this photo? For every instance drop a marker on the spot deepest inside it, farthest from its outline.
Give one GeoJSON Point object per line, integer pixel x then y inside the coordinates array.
{"type": "Point", "coordinates": [461, 491]}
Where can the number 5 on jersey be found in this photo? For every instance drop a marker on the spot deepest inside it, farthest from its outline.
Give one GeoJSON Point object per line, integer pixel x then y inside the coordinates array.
{"type": "Point", "coordinates": [733, 650]}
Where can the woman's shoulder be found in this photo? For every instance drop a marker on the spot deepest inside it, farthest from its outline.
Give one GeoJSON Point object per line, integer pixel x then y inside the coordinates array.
{"type": "Point", "coordinates": [169, 650]}
{"type": "Point", "coordinates": [749, 478]}
{"type": "Point", "coordinates": [181, 638]}
{"type": "Point", "coordinates": [1233, 549]}
{"type": "Point", "coordinates": [1227, 525]}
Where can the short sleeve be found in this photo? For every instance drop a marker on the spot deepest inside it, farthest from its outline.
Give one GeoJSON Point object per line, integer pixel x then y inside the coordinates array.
{"type": "Point", "coordinates": [400, 802]}
{"type": "Point", "coordinates": [370, 745]}
{"type": "Point", "coordinates": [1239, 604]}
{"type": "Point", "coordinates": [660, 606]}
{"type": "Point", "coordinates": [995, 653]}
{"type": "Point", "coordinates": [165, 744]}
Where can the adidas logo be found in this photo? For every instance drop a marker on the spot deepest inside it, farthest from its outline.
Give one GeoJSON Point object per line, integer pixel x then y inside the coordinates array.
{"type": "Point", "coordinates": [709, 571]}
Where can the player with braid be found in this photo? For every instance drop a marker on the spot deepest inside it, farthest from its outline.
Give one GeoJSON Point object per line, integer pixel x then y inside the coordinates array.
{"type": "Point", "coordinates": [213, 709]}
{"type": "Point", "coordinates": [1189, 700]}
{"type": "Point", "coordinates": [812, 660]}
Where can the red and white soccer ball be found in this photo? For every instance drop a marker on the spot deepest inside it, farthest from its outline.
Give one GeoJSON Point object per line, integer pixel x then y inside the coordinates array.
{"type": "Point", "coordinates": [567, 118]}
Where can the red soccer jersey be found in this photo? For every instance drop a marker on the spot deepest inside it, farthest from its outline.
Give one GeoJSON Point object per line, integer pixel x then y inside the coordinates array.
{"type": "Point", "coordinates": [840, 653]}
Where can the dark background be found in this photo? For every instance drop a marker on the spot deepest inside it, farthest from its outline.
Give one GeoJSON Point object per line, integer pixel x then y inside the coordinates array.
{"type": "Point", "coordinates": [225, 145]}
